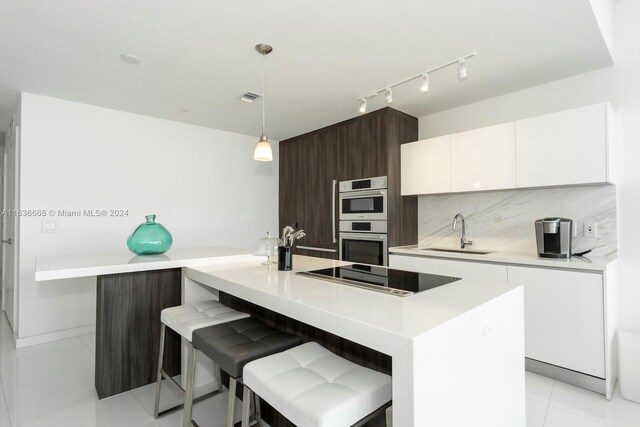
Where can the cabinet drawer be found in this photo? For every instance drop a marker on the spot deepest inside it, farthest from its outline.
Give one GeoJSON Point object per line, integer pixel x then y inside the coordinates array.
{"type": "Point", "coordinates": [564, 318]}
{"type": "Point", "coordinates": [413, 263]}
{"type": "Point", "coordinates": [476, 272]}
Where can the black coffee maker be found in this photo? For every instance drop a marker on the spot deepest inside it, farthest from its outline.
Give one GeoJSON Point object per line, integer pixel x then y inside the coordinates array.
{"type": "Point", "coordinates": [553, 236]}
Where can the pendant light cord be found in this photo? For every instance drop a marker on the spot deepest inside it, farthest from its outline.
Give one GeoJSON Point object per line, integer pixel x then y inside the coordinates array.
{"type": "Point", "coordinates": [264, 95]}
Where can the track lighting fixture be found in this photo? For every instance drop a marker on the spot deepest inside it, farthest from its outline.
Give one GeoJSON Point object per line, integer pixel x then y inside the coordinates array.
{"type": "Point", "coordinates": [363, 105]}
{"type": "Point", "coordinates": [463, 71]}
{"type": "Point", "coordinates": [425, 83]}
{"type": "Point", "coordinates": [388, 95]}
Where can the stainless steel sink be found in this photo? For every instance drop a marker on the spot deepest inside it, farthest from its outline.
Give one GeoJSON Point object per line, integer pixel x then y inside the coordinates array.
{"type": "Point", "coordinates": [458, 251]}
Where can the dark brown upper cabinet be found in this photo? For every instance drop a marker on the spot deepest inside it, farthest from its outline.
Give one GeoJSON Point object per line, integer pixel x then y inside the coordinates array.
{"type": "Point", "coordinates": [311, 165]}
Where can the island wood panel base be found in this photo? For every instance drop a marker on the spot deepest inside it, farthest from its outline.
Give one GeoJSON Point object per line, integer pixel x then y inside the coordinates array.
{"type": "Point", "coordinates": [350, 350]}
{"type": "Point", "coordinates": [128, 329]}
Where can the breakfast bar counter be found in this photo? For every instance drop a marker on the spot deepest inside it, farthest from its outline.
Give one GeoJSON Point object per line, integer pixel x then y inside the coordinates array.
{"type": "Point", "coordinates": [460, 345]}
{"type": "Point", "coordinates": [131, 292]}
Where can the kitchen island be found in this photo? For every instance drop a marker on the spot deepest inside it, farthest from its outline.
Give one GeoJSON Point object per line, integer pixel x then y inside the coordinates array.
{"type": "Point", "coordinates": [457, 351]}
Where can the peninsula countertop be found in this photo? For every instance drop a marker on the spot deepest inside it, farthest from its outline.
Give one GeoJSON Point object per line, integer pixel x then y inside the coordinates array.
{"type": "Point", "coordinates": [588, 263]}
{"type": "Point", "coordinates": [123, 261]}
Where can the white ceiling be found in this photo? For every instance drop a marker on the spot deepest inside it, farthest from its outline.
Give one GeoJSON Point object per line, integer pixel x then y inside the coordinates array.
{"type": "Point", "coordinates": [199, 55]}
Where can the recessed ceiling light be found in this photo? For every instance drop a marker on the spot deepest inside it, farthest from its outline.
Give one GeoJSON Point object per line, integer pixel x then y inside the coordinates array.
{"type": "Point", "coordinates": [130, 59]}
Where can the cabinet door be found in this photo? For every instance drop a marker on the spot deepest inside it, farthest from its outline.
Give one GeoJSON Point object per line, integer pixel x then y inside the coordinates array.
{"type": "Point", "coordinates": [562, 148]}
{"type": "Point", "coordinates": [426, 166]}
{"type": "Point", "coordinates": [309, 166]}
{"type": "Point", "coordinates": [320, 170]}
{"type": "Point", "coordinates": [291, 183]}
{"type": "Point", "coordinates": [484, 159]}
{"type": "Point", "coordinates": [475, 272]}
{"type": "Point", "coordinates": [363, 148]}
{"type": "Point", "coordinates": [564, 318]}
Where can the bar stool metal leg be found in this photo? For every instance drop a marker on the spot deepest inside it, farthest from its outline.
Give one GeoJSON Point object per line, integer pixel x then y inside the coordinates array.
{"type": "Point", "coordinates": [246, 405]}
{"type": "Point", "coordinates": [188, 393]}
{"type": "Point", "coordinates": [218, 374]}
{"type": "Point", "coordinates": [159, 376]}
{"type": "Point", "coordinates": [232, 402]}
{"type": "Point", "coordinates": [258, 413]}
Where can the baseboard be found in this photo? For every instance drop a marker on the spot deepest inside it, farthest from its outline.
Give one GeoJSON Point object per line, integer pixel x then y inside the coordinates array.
{"type": "Point", "coordinates": [54, 336]}
{"type": "Point", "coordinates": [568, 376]}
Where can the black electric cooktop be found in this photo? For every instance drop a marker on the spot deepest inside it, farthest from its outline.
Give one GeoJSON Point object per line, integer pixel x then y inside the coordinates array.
{"type": "Point", "coordinates": [381, 279]}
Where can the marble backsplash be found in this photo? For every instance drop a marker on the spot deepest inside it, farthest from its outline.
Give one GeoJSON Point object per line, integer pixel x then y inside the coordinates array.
{"type": "Point", "coordinates": [504, 220]}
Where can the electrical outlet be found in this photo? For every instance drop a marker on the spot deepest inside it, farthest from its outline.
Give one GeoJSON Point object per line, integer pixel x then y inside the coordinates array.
{"type": "Point", "coordinates": [484, 331]}
{"type": "Point", "coordinates": [591, 230]}
{"type": "Point", "coordinates": [50, 226]}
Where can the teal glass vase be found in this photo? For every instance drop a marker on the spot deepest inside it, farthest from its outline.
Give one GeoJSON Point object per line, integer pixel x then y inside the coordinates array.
{"type": "Point", "coordinates": [150, 238]}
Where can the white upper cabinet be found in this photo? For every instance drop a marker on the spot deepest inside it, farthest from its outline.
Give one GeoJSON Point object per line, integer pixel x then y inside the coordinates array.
{"type": "Point", "coordinates": [565, 148]}
{"type": "Point", "coordinates": [484, 159]}
{"type": "Point", "coordinates": [426, 167]}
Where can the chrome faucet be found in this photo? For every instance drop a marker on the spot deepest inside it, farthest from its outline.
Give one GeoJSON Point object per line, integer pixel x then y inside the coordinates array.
{"type": "Point", "coordinates": [463, 241]}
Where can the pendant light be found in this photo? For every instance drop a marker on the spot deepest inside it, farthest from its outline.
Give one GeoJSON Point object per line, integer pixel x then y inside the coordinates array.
{"type": "Point", "coordinates": [263, 151]}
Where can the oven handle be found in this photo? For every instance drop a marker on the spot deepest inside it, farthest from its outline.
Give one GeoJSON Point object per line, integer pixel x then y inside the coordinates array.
{"type": "Point", "coordinates": [333, 209]}
{"type": "Point", "coordinates": [364, 236]}
{"type": "Point", "coordinates": [313, 248]}
{"type": "Point", "coordinates": [358, 194]}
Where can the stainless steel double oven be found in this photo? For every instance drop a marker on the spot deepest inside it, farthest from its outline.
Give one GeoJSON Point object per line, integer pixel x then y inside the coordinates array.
{"type": "Point", "coordinates": [363, 220]}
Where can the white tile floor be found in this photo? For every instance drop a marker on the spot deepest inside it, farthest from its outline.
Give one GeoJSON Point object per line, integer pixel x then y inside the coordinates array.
{"type": "Point", "coordinates": [51, 385]}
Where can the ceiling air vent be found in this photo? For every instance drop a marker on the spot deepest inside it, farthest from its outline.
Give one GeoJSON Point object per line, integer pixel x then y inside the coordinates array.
{"type": "Point", "coordinates": [250, 97]}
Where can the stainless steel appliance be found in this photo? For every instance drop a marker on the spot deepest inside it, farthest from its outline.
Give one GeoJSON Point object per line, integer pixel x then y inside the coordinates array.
{"type": "Point", "coordinates": [363, 220]}
{"type": "Point", "coordinates": [366, 248]}
{"type": "Point", "coordinates": [553, 236]}
{"type": "Point", "coordinates": [395, 282]}
{"type": "Point", "coordinates": [363, 199]}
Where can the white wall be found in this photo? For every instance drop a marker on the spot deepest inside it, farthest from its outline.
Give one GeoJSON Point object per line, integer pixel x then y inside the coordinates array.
{"type": "Point", "coordinates": [202, 183]}
{"type": "Point", "coordinates": [619, 84]}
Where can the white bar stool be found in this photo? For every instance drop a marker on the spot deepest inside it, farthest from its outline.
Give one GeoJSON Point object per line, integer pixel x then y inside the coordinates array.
{"type": "Point", "coordinates": [185, 319]}
{"type": "Point", "coordinates": [312, 387]}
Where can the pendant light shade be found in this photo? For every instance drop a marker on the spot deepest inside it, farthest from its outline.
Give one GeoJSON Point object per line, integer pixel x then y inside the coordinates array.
{"type": "Point", "coordinates": [263, 152]}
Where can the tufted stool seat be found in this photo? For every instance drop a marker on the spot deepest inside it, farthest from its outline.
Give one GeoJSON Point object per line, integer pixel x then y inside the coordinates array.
{"type": "Point", "coordinates": [312, 387]}
{"type": "Point", "coordinates": [185, 319]}
{"type": "Point", "coordinates": [231, 346]}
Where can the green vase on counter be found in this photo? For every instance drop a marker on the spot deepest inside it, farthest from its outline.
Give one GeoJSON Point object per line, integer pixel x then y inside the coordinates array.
{"type": "Point", "coordinates": [149, 238]}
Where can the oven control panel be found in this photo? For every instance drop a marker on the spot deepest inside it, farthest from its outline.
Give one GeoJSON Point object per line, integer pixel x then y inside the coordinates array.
{"type": "Point", "coordinates": [378, 182]}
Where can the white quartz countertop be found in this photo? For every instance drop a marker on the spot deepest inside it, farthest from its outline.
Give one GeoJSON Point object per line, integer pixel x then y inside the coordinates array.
{"type": "Point", "coordinates": [67, 267]}
{"type": "Point", "coordinates": [377, 320]}
{"type": "Point", "coordinates": [532, 259]}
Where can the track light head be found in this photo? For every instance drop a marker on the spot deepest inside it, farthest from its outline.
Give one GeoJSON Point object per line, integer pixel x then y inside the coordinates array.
{"type": "Point", "coordinates": [363, 105]}
{"type": "Point", "coordinates": [425, 83]}
{"type": "Point", "coordinates": [463, 71]}
{"type": "Point", "coordinates": [388, 95]}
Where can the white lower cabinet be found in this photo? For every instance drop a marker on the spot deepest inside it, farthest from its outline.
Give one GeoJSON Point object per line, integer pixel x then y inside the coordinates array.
{"type": "Point", "coordinates": [476, 271]}
{"type": "Point", "coordinates": [564, 310]}
{"type": "Point", "coordinates": [564, 318]}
